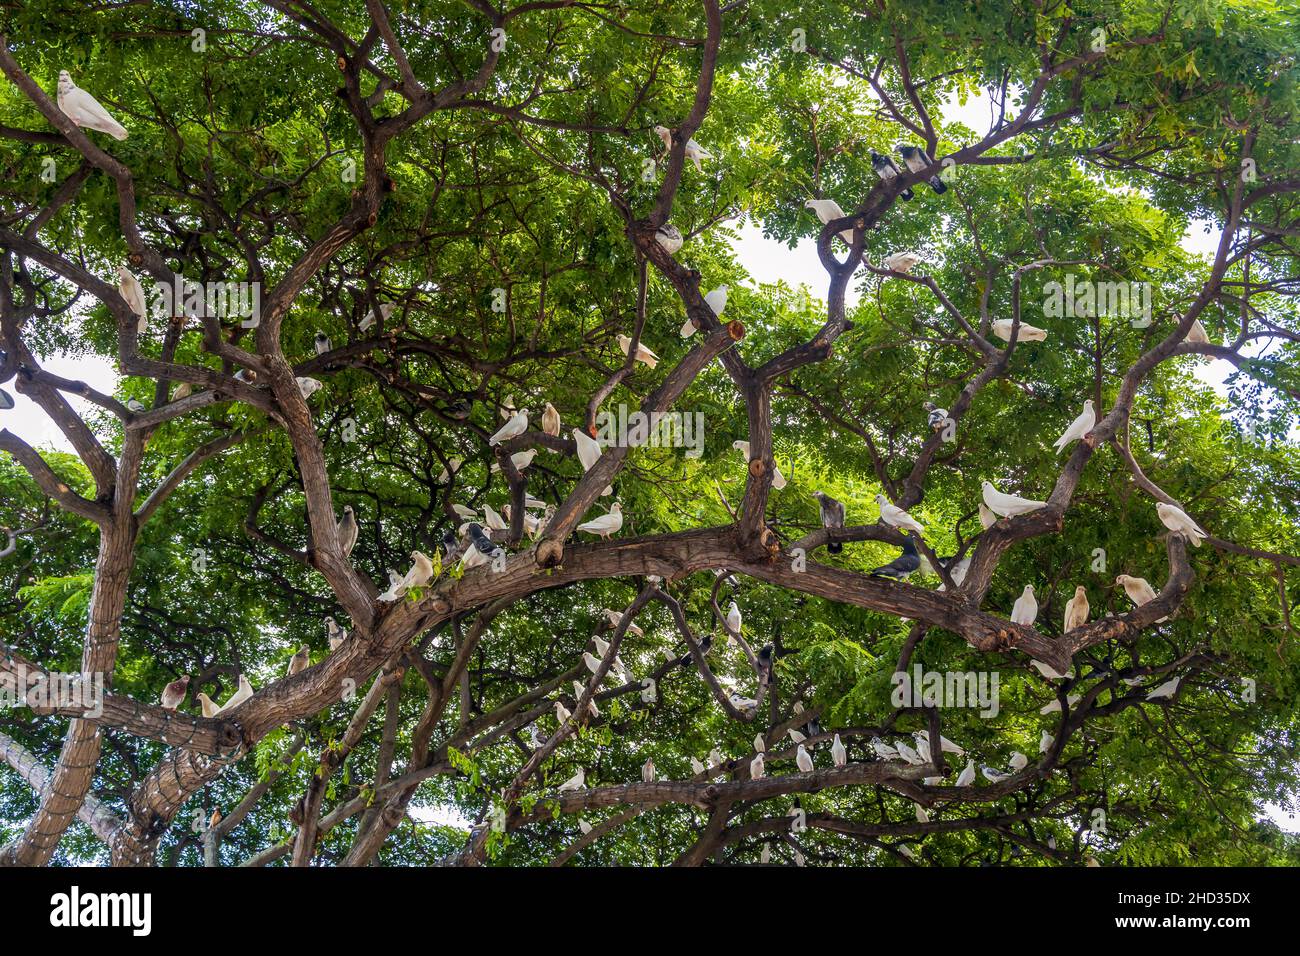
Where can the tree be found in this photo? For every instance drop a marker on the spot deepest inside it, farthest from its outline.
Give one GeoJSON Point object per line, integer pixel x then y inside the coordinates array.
{"type": "Point", "coordinates": [468, 201]}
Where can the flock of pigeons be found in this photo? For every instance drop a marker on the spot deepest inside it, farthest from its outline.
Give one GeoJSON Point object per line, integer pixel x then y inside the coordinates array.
{"type": "Point", "coordinates": [479, 549]}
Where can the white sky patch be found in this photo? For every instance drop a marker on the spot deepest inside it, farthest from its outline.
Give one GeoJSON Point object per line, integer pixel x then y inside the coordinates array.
{"type": "Point", "coordinates": [1285, 819]}
{"type": "Point", "coordinates": [29, 423]}
{"type": "Point", "coordinates": [443, 815]}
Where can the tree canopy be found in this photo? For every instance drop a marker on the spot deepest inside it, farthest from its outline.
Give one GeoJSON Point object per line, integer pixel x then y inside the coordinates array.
{"type": "Point", "coordinates": [440, 213]}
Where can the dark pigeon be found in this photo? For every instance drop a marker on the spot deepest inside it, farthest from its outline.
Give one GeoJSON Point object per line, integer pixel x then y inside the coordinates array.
{"type": "Point", "coordinates": [832, 517]}
{"type": "Point", "coordinates": [916, 159]}
{"type": "Point", "coordinates": [886, 170]}
{"type": "Point", "coordinates": [901, 566]}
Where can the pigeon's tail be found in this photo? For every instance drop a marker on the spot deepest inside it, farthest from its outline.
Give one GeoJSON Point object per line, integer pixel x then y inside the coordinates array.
{"type": "Point", "coordinates": [938, 185]}
{"type": "Point", "coordinates": [834, 547]}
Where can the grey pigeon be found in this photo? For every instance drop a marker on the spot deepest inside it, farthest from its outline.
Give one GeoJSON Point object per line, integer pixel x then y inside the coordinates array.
{"type": "Point", "coordinates": [886, 170]}
{"type": "Point", "coordinates": [917, 159]}
{"type": "Point", "coordinates": [901, 566]}
{"type": "Point", "coordinates": [348, 531]}
{"type": "Point", "coordinates": [832, 517]}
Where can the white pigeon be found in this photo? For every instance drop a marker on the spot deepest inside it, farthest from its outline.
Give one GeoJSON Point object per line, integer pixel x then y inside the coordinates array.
{"type": "Point", "coordinates": [520, 460]}
{"type": "Point", "coordinates": [1076, 610]}
{"type": "Point", "coordinates": [1165, 690]}
{"type": "Point", "coordinates": [584, 826]}
{"type": "Point", "coordinates": [778, 479]}
{"type": "Point", "coordinates": [517, 425]}
{"type": "Point", "coordinates": [696, 766]}
{"type": "Point", "coordinates": [453, 466]}
{"type": "Point", "coordinates": [987, 518]}
{"type": "Point", "coordinates": [420, 574]}
{"type": "Point", "coordinates": [467, 513]}
{"type": "Point", "coordinates": [648, 770]}
{"type": "Point", "coordinates": [994, 776]}
{"type": "Point", "coordinates": [958, 572]}
{"type": "Point", "coordinates": [1139, 591]}
{"type": "Point", "coordinates": [766, 856]}
{"type": "Point", "coordinates": [606, 524]}
{"type": "Point", "coordinates": [561, 712]}
{"type": "Point", "coordinates": [1051, 673]}
{"type": "Point", "coordinates": [576, 782]}
{"type": "Point", "coordinates": [1078, 428]}
{"type": "Point", "coordinates": [494, 521]}
{"type": "Point", "coordinates": [901, 262]}
{"type": "Point", "coordinates": [578, 691]}
{"type": "Point", "coordinates": [308, 386]}
{"type": "Point", "coordinates": [1008, 506]}
{"type": "Point", "coordinates": [614, 617]}
{"type": "Point", "coordinates": [1026, 333]}
{"type": "Point", "coordinates": [643, 354]}
{"type": "Point", "coordinates": [922, 744]}
{"type": "Point", "coordinates": [717, 299]}
{"type": "Point", "coordinates": [882, 749]}
{"type": "Point", "coordinates": [967, 775]}
{"type": "Point", "coordinates": [795, 736]}
{"type": "Point", "coordinates": [908, 754]}
{"type": "Point", "coordinates": [947, 746]}
{"type": "Point", "coordinates": [1025, 610]}
{"type": "Point", "coordinates": [802, 760]}
{"type": "Point", "coordinates": [550, 420]}
{"type": "Point", "coordinates": [589, 449]}
{"type": "Point", "coordinates": [694, 151]}
{"type": "Point", "coordinates": [839, 755]}
{"type": "Point", "coordinates": [472, 558]}
{"type": "Point", "coordinates": [733, 618]}
{"type": "Point", "coordinates": [828, 210]}
{"type": "Point", "coordinates": [760, 745]}
{"type": "Point", "coordinates": [896, 517]}
{"type": "Point", "coordinates": [592, 662]}
{"type": "Point", "coordinates": [133, 293]}
{"type": "Point", "coordinates": [242, 694]}
{"type": "Point", "coordinates": [1045, 742]}
{"type": "Point", "coordinates": [756, 768]}
{"type": "Point", "coordinates": [1197, 335]}
{"type": "Point", "coordinates": [1018, 761]}
{"type": "Point", "coordinates": [1055, 706]}
{"type": "Point", "coordinates": [921, 815]}
{"type": "Point", "coordinates": [84, 110]}
{"type": "Point", "coordinates": [1176, 519]}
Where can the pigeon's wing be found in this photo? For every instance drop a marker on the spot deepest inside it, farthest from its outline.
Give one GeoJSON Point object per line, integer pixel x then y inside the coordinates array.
{"type": "Point", "coordinates": [86, 111]}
